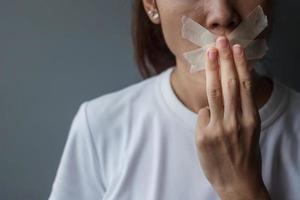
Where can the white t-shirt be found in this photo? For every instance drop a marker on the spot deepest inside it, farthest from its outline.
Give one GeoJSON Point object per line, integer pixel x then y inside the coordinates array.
{"type": "Point", "coordinates": [138, 143]}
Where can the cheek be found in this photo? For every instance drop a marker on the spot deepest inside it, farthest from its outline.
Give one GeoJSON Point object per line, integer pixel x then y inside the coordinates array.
{"type": "Point", "coordinates": [246, 8]}
{"type": "Point", "coordinates": [171, 12]}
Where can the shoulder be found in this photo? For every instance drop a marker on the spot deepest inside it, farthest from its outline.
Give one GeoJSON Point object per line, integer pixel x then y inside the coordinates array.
{"type": "Point", "coordinates": [110, 111]}
{"type": "Point", "coordinates": [114, 101]}
{"type": "Point", "coordinates": [293, 108]}
{"type": "Point", "coordinates": [291, 111]}
{"type": "Point", "coordinates": [293, 98]}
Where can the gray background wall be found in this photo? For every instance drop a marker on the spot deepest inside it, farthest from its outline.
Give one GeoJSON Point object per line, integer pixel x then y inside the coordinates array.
{"type": "Point", "coordinates": [56, 54]}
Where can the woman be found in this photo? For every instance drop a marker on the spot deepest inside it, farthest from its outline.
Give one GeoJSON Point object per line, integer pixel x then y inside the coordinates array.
{"type": "Point", "coordinates": [225, 132]}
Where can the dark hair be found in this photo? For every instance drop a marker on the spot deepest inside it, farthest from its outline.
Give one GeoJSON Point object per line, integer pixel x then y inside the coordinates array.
{"type": "Point", "coordinates": [151, 52]}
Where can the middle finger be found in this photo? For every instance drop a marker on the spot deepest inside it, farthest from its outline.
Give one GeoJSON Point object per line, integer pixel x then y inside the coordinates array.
{"type": "Point", "coordinates": [228, 78]}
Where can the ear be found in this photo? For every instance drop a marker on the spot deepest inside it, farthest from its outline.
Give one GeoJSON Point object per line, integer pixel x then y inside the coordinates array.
{"type": "Point", "coordinates": [152, 10]}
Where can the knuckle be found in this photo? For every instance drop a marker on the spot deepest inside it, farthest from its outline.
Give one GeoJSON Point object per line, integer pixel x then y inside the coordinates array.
{"type": "Point", "coordinates": [226, 54]}
{"type": "Point", "coordinates": [212, 67]}
{"type": "Point", "coordinates": [232, 126]}
{"type": "Point", "coordinates": [216, 139]}
{"type": "Point", "coordinates": [250, 123]}
{"type": "Point", "coordinates": [246, 84]}
{"type": "Point", "coordinates": [201, 140]}
{"type": "Point", "coordinates": [214, 93]}
{"type": "Point", "coordinates": [231, 83]}
{"type": "Point", "coordinates": [219, 130]}
{"type": "Point", "coordinates": [216, 129]}
{"type": "Point", "coordinates": [241, 61]}
{"type": "Point", "coordinates": [213, 134]}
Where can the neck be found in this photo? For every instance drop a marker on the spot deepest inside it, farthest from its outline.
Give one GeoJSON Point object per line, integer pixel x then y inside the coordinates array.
{"type": "Point", "coordinates": [190, 88]}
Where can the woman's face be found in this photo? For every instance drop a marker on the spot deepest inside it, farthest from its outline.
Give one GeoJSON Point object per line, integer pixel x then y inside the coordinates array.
{"type": "Point", "coordinates": [218, 16]}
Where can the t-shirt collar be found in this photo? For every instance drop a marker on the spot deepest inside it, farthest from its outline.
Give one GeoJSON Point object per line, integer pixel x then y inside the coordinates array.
{"type": "Point", "coordinates": [268, 113]}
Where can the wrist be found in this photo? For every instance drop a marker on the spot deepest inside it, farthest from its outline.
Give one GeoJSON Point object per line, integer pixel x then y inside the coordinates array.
{"type": "Point", "coordinates": [258, 192]}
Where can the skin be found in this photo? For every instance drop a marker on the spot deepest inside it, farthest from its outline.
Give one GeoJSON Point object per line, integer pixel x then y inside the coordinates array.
{"type": "Point", "coordinates": [226, 95]}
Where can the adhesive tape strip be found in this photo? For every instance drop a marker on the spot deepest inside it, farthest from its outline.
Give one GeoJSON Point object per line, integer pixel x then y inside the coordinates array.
{"type": "Point", "coordinates": [244, 35]}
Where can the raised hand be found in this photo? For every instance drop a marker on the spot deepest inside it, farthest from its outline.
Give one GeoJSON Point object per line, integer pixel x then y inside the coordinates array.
{"type": "Point", "coordinates": [228, 131]}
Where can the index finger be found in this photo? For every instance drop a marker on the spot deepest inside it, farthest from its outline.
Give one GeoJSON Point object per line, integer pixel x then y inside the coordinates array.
{"type": "Point", "coordinates": [213, 85]}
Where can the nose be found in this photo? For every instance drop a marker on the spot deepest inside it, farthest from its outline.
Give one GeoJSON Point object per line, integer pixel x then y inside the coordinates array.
{"type": "Point", "coordinates": [221, 17]}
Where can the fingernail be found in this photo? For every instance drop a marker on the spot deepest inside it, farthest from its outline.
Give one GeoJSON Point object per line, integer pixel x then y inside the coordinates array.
{"type": "Point", "coordinates": [237, 49]}
{"type": "Point", "coordinates": [222, 42]}
{"type": "Point", "coordinates": [212, 54]}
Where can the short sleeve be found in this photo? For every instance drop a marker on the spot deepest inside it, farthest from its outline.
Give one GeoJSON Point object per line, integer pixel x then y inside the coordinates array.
{"type": "Point", "coordinates": [79, 174]}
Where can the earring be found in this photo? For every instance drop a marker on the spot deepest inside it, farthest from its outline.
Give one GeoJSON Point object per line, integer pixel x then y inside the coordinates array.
{"type": "Point", "coordinates": [153, 14]}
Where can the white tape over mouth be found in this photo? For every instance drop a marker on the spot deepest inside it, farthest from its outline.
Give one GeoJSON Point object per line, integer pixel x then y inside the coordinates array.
{"type": "Point", "coordinates": [244, 35]}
